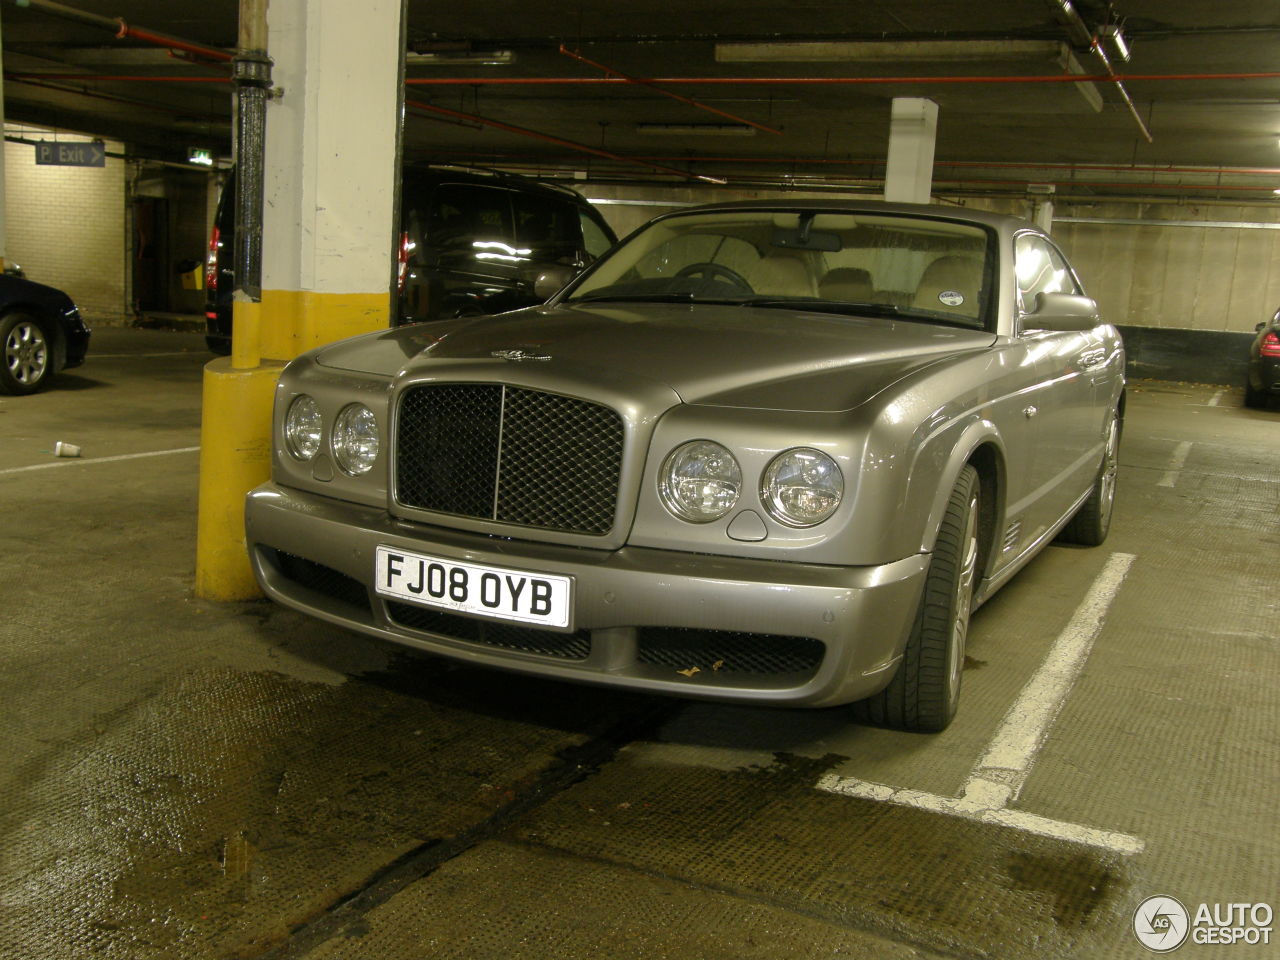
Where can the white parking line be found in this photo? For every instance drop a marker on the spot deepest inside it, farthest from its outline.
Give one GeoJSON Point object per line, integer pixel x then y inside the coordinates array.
{"type": "Point", "coordinates": [71, 462]}
{"type": "Point", "coordinates": [1176, 463]}
{"type": "Point", "coordinates": [1216, 398]}
{"type": "Point", "coordinates": [147, 356]}
{"type": "Point", "coordinates": [998, 777]}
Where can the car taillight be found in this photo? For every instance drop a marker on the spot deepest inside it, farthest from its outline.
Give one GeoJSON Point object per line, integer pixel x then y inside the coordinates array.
{"type": "Point", "coordinates": [402, 262]}
{"type": "Point", "coordinates": [211, 263]}
{"type": "Point", "coordinates": [1270, 346]}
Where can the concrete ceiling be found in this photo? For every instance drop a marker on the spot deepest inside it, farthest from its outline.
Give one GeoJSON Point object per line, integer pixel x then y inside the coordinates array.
{"type": "Point", "coordinates": [1211, 136]}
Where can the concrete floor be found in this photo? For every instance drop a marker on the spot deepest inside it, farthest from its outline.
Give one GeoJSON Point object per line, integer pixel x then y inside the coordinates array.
{"type": "Point", "coordinates": [182, 779]}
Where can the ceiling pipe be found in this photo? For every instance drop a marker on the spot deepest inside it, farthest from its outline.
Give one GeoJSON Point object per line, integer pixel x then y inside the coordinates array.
{"type": "Point", "coordinates": [649, 84]}
{"type": "Point", "coordinates": [108, 77]}
{"type": "Point", "coordinates": [127, 101]}
{"type": "Point", "coordinates": [123, 30]}
{"type": "Point", "coordinates": [524, 131]}
{"type": "Point", "coordinates": [126, 32]}
{"type": "Point", "coordinates": [1112, 78]}
{"type": "Point", "coordinates": [1082, 36]}
{"type": "Point", "coordinates": [779, 81]}
{"type": "Point", "coordinates": [994, 165]}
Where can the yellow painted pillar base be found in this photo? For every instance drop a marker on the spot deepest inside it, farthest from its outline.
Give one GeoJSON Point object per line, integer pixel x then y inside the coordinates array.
{"type": "Point", "coordinates": [235, 456]}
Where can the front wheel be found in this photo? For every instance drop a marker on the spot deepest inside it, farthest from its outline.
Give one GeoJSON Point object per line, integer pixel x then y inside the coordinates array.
{"type": "Point", "coordinates": [923, 694]}
{"type": "Point", "coordinates": [26, 358]}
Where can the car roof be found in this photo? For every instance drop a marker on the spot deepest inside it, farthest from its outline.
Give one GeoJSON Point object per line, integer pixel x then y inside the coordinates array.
{"type": "Point", "coordinates": [480, 176]}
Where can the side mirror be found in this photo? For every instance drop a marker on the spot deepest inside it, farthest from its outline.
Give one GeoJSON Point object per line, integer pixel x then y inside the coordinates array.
{"type": "Point", "coordinates": [1062, 312]}
{"type": "Point", "coordinates": [551, 280]}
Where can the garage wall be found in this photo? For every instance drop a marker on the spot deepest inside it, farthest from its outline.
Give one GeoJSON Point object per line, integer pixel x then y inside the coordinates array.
{"type": "Point", "coordinates": [64, 225]}
{"type": "Point", "coordinates": [1167, 274]}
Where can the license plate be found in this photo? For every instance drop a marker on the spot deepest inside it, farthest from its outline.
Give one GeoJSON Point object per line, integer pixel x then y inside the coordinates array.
{"type": "Point", "coordinates": [538, 598]}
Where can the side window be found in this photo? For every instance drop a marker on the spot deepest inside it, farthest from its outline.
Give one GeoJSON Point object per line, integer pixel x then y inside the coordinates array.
{"type": "Point", "coordinates": [461, 215]}
{"type": "Point", "coordinates": [594, 238]}
{"type": "Point", "coordinates": [546, 226]}
{"type": "Point", "coordinates": [1040, 268]}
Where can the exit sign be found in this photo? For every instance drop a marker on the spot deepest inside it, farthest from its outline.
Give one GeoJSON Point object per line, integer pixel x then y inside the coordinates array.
{"type": "Point", "coordinates": [72, 154]}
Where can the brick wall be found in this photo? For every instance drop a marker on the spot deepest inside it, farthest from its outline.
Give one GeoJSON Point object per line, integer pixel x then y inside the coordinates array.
{"type": "Point", "coordinates": [65, 225]}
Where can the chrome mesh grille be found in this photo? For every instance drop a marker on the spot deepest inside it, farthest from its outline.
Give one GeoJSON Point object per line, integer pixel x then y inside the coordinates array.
{"type": "Point", "coordinates": [547, 643]}
{"type": "Point", "coordinates": [509, 454]}
{"type": "Point", "coordinates": [729, 652]}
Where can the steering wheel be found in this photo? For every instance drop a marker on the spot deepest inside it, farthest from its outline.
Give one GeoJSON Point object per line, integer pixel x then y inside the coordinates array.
{"type": "Point", "coordinates": [715, 271]}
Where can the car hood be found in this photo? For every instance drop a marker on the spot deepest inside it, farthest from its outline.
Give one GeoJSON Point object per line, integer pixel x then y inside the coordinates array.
{"type": "Point", "coordinates": [707, 354]}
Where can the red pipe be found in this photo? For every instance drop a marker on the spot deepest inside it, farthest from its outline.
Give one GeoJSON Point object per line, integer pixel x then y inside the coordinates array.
{"type": "Point", "coordinates": [608, 71]}
{"type": "Point", "coordinates": [837, 81]}
{"type": "Point", "coordinates": [511, 128]}
{"type": "Point", "coordinates": [173, 43]}
{"type": "Point", "coordinates": [107, 77]}
{"type": "Point", "coordinates": [176, 111]}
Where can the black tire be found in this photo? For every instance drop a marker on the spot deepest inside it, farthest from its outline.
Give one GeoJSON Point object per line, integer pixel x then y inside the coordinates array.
{"type": "Point", "coordinates": [924, 693]}
{"type": "Point", "coordinates": [1092, 522]}
{"type": "Point", "coordinates": [26, 354]}
{"type": "Point", "coordinates": [1254, 398]}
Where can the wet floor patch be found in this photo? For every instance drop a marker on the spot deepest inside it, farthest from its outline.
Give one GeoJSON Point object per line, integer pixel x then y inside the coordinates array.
{"type": "Point", "coordinates": [907, 875]}
{"type": "Point", "coordinates": [214, 815]}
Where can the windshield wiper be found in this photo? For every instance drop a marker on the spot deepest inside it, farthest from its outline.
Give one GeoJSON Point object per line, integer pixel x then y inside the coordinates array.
{"type": "Point", "coordinates": [634, 298]}
{"type": "Point", "coordinates": [856, 308]}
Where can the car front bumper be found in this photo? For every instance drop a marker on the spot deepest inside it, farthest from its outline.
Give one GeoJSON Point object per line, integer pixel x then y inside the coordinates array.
{"type": "Point", "coordinates": [666, 622]}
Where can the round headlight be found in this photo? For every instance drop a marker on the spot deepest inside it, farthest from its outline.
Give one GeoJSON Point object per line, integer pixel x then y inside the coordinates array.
{"type": "Point", "coordinates": [355, 439]}
{"type": "Point", "coordinates": [700, 481]}
{"type": "Point", "coordinates": [802, 487]}
{"type": "Point", "coordinates": [302, 426]}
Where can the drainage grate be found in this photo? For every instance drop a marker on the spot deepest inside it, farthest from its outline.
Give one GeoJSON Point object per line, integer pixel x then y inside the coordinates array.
{"type": "Point", "coordinates": [758, 654]}
{"type": "Point", "coordinates": [547, 643]}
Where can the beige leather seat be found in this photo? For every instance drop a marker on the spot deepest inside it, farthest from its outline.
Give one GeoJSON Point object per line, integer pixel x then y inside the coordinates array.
{"type": "Point", "coordinates": [781, 275]}
{"type": "Point", "coordinates": [847, 283]}
{"type": "Point", "coordinates": [951, 284]}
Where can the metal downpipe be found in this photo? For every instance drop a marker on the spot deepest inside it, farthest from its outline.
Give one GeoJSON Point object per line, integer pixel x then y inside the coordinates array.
{"type": "Point", "coordinates": [251, 74]}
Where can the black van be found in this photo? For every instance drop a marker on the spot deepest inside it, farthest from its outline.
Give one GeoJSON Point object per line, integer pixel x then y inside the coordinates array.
{"type": "Point", "coordinates": [472, 243]}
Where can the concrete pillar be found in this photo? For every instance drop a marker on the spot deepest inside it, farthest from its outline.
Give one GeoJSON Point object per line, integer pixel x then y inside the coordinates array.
{"type": "Point", "coordinates": [3, 248]}
{"type": "Point", "coordinates": [330, 183]}
{"type": "Point", "coordinates": [913, 127]}
{"type": "Point", "coordinates": [1042, 214]}
{"type": "Point", "coordinates": [332, 174]}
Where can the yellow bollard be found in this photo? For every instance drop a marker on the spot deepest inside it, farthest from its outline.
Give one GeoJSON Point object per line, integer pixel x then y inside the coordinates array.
{"type": "Point", "coordinates": [235, 456]}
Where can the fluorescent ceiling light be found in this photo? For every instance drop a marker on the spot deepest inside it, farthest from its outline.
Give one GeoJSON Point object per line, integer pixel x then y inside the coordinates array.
{"type": "Point", "coordinates": [1114, 36]}
{"type": "Point", "coordinates": [697, 129]}
{"type": "Point", "coordinates": [475, 58]}
{"type": "Point", "coordinates": [886, 51]}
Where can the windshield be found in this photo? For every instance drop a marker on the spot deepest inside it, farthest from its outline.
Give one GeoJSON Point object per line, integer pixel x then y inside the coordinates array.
{"type": "Point", "coordinates": [868, 264]}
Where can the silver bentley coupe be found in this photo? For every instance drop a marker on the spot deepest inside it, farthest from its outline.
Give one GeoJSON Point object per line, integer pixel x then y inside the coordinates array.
{"type": "Point", "coordinates": [765, 451]}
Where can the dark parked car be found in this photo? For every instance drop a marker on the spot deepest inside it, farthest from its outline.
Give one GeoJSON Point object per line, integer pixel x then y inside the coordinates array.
{"type": "Point", "coordinates": [1263, 381]}
{"type": "Point", "coordinates": [41, 333]}
{"type": "Point", "coordinates": [766, 451]}
{"type": "Point", "coordinates": [472, 243]}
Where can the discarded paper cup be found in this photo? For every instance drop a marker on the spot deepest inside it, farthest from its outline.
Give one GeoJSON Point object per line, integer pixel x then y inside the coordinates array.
{"type": "Point", "coordinates": [61, 449]}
